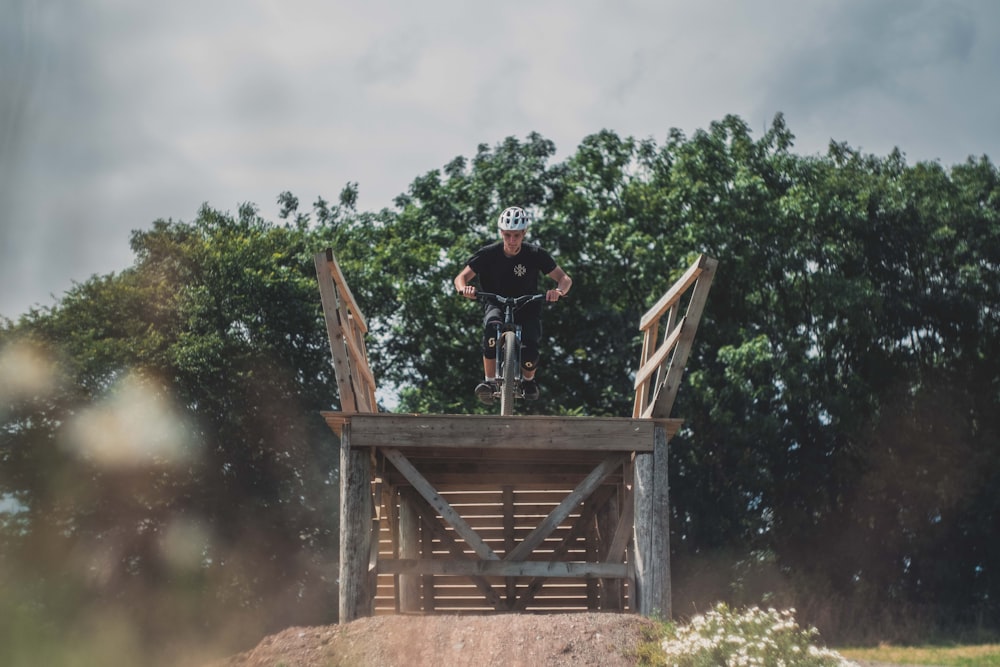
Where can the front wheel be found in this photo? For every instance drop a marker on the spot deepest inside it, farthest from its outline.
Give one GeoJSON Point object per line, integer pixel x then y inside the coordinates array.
{"type": "Point", "coordinates": [509, 373]}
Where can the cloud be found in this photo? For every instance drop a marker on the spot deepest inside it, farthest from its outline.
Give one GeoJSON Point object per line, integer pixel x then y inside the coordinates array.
{"type": "Point", "coordinates": [882, 75]}
{"type": "Point", "coordinates": [121, 114]}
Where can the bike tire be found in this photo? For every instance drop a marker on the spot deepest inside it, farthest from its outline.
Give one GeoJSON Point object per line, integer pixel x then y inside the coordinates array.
{"type": "Point", "coordinates": [509, 373]}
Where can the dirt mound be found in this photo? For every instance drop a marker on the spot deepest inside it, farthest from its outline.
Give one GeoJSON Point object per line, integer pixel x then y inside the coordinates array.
{"type": "Point", "coordinates": [528, 640]}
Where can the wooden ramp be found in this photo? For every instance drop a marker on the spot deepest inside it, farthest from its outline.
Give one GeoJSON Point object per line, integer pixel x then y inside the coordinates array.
{"type": "Point", "coordinates": [474, 514]}
{"type": "Point", "coordinates": [478, 513]}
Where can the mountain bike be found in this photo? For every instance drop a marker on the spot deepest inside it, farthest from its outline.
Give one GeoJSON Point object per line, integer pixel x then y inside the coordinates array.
{"type": "Point", "coordinates": [508, 347]}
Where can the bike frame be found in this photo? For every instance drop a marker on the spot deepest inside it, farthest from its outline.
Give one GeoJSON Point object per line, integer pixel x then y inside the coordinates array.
{"type": "Point", "coordinates": [508, 347]}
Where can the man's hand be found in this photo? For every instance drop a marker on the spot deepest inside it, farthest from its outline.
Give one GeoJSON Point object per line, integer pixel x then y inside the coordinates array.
{"type": "Point", "coordinates": [553, 294]}
{"type": "Point", "coordinates": [469, 291]}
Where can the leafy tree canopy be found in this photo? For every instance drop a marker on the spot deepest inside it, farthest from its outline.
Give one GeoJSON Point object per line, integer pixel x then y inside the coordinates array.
{"type": "Point", "coordinates": [840, 404]}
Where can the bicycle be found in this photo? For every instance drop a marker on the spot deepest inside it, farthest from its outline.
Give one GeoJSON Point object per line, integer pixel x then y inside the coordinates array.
{"type": "Point", "coordinates": [508, 347]}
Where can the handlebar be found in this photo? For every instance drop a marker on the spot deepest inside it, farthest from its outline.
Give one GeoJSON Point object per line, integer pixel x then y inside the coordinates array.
{"type": "Point", "coordinates": [513, 301]}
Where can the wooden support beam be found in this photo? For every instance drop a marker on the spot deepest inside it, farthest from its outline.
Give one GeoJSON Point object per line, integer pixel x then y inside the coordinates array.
{"type": "Point", "coordinates": [575, 533]}
{"type": "Point", "coordinates": [435, 529]}
{"type": "Point", "coordinates": [446, 511]}
{"type": "Point", "coordinates": [492, 568]}
{"type": "Point", "coordinates": [559, 514]}
{"type": "Point", "coordinates": [487, 432]}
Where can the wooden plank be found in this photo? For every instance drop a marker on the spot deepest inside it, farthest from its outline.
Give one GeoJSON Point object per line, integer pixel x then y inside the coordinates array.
{"type": "Point", "coordinates": [674, 293]}
{"type": "Point", "coordinates": [664, 402]}
{"type": "Point", "coordinates": [495, 534]}
{"type": "Point", "coordinates": [360, 364]}
{"type": "Point", "coordinates": [409, 547]}
{"type": "Point", "coordinates": [438, 566]}
{"type": "Point", "coordinates": [495, 432]}
{"type": "Point", "coordinates": [509, 539]}
{"type": "Point", "coordinates": [335, 333]}
{"type": "Point", "coordinates": [559, 514]}
{"type": "Point", "coordinates": [498, 524]}
{"type": "Point", "coordinates": [438, 503]}
{"type": "Point", "coordinates": [661, 526]}
{"type": "Point", "coordinates": [436, 530]}
{"type": "Point", "coordinates": [370, 385]}
{"type": "Point", "coordinates": [608, 518]}
{"type": "Point", "coordinates": [512, 469]}
{"type": "Point", "coordinates": [475, 477]}
{"type": "Point", "coordinates": [338, 277]}
{"type": "Point", "coordinates": [527, 458]}
{"type": "Point", "coordinates": [498, 508]}
{"type": "Point", "coordinates": [648, 346]}
{"type": "Point", "coordinates": [560, 552]}
{"type": "Point", "coordinates": [654, 362]}
{"type": "Point", "coordinates": [623, 531]}
{"type": "Point", "coordinates": [652, 531]}
{"type": "Point", "coordinates": [427, 581]}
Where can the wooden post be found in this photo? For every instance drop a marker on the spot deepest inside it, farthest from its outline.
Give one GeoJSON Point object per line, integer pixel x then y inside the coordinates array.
{"type": "Point", "coordinates": [409, 547]}
{"type": "Point", "coordinates": [652, 529]}
{"type": "Point", "coordinates": [427, 580]}
{"type": "Point", "coordinates": [607, 522]}
{"type": "Point", "coordinates": [509, 541]}
{"type": "Point", "coordinates": [356, 596]}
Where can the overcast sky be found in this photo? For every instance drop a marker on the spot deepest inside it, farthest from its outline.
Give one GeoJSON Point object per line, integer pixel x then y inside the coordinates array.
{"type": "Point", "coordinates": [114, 113]}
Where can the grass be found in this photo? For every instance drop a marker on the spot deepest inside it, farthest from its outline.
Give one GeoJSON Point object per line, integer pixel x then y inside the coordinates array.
{"type": "Point", "coordinates": [979, 655]}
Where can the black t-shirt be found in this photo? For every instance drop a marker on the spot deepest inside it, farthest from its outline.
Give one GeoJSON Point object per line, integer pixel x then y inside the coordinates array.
{"type": "Point", "coordinates": [511, 276]}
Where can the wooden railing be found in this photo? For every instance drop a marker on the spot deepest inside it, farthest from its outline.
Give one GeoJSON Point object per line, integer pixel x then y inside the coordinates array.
{"type": "Point", "coordinates": [661, 366]}
{"type": "Point", "coordinates": [345, 325]}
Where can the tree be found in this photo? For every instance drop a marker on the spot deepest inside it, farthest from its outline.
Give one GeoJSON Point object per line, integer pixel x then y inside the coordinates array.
{"type": "Point", "coordinates": [840, 403]}
{"type": "Point", "coordinates": [180, 454]}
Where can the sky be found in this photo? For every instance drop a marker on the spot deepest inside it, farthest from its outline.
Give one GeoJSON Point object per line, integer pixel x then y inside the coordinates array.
{"type": "Point", "coordinates": [114, 114]}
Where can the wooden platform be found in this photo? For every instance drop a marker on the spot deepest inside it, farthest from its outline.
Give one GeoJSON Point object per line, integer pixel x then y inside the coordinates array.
{"type": "Point", "coordinates": [496, 432]}
{"type": "Point", "coordinates": [471, 451]}
{"type": "Point", "coordinates": [475, 513]}
{"type": "Point", "coordinates": [480, 513]}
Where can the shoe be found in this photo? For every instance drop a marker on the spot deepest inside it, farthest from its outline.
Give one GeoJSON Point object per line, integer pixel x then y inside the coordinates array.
{"type": "Point", "coordinates": [530, 389]}
{"type": "Point", "coordinates": [485, 391]}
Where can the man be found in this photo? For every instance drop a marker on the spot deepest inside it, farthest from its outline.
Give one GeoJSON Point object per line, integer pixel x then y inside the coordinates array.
{"type": "Point", "coordinates": [511, 267]}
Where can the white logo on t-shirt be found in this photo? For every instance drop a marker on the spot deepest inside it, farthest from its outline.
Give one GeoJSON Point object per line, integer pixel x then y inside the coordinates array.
{"type": "Point", "coordinates": [519, 270]}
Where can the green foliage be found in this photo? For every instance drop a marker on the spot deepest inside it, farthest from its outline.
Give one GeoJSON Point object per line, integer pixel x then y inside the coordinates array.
{"type": "Point", "coordinates": [840, 402]}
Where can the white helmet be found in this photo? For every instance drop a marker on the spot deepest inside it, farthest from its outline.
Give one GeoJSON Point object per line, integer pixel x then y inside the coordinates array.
{"type": "Point", "coordinates": [513, 218]}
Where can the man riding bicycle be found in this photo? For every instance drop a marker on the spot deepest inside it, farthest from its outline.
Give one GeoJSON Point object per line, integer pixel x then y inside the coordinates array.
{"type": "Point", "coordinates": [510, 267]}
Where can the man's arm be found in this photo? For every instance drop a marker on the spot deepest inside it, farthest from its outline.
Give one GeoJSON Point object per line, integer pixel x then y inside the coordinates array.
{"type": "Point", "coordinates": [563, 283]}
{"type": "Point", "coordinates": [462, 283]}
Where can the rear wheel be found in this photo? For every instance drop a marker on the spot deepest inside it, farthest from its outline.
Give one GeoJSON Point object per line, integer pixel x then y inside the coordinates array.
{"type": "Point", "coordinates": [509, 373]}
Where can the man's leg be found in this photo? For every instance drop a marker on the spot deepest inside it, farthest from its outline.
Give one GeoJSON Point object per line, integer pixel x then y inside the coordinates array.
{"type": "Point", "coordinates": [531, 332]}
{"type": "Point", "coordinates": [486, 388]}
